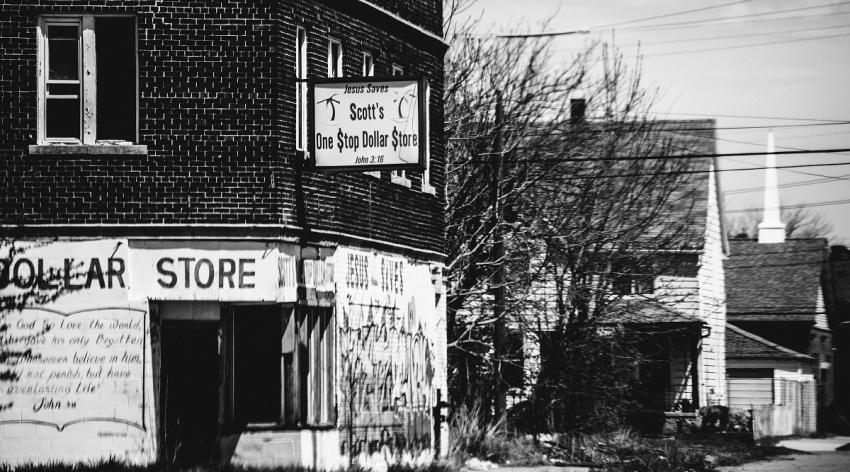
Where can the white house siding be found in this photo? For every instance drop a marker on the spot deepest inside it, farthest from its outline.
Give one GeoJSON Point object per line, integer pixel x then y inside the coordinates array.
{"type": "Point", "coordinates": [712, 305]}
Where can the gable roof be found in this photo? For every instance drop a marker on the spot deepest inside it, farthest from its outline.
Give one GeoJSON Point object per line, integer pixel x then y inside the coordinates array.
{"type": "Point", "coordinates": [676, 191]}
{"type": "Point", "coordinates": [778, 281]}
{"type": "Point", "coordinates": [741, 344]}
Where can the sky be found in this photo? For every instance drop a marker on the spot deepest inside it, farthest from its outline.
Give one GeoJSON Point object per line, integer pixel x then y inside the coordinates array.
{"type": "Point", "coordinates": [773, 64]}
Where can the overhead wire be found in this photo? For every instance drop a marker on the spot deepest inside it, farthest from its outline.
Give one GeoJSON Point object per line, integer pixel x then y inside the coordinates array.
{"type": "Point", "coordinates": [795, 206]}
{"type": "Point", "coordinates": [716, 20]}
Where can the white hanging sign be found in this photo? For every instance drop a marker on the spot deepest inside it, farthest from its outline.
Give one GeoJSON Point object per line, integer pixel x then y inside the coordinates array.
{"type": "Point", "coordinates": [367, 123]}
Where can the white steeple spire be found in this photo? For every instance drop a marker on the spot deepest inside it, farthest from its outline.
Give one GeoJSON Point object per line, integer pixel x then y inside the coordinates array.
{"type": "Point", "coordinates": [771, 228]}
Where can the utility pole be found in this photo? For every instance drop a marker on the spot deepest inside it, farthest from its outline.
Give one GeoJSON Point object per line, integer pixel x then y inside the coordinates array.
{"type": "Point", "coordinates": [497, 283]}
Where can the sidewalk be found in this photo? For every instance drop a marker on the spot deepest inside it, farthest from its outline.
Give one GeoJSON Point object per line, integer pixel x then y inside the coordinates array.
{"type": "Point", "coordinates": [815, 444]}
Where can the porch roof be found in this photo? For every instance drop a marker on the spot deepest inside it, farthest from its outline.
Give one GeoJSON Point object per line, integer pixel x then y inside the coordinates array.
{"type": "Point", "coordinates": [742, 344]}
{"type": "Point", "coordinates": [645, 311]}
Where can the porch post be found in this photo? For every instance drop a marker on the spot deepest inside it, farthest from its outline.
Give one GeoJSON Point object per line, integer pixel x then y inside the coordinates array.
{"type": "Point", "coordinates": [695, 372]}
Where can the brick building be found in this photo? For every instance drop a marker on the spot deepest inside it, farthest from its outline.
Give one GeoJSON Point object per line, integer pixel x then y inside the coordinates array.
{"type": "Point", "coordinates": [190, 289]}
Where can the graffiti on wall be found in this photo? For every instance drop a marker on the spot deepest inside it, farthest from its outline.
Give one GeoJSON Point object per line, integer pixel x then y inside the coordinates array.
{"type": "Point", "coordinates": [386, 369]}
{"type": "Point", "coordinates": [85, 366]}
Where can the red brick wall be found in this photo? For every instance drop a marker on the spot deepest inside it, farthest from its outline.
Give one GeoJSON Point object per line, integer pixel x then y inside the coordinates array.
{"type": "Point", "coordinates": [216, 111]}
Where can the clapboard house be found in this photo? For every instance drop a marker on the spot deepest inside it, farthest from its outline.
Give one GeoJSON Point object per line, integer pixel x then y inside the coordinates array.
{"type": "Point", "coordinates": [192, 289]}
{"type": "Point", "coordinates": [672, 298]}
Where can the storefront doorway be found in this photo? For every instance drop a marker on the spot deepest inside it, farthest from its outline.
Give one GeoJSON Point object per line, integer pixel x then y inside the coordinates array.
{"type": "Point", "coordinates": [190, 391]}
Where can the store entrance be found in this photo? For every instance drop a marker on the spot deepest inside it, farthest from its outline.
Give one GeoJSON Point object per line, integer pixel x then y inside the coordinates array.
{"type": "Point", "coordinates": [190, 391]}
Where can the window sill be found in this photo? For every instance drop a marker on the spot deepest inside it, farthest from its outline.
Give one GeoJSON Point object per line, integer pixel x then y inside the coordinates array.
{"type": "Point", "coordinates": [400, 180]}
{"type": "Point", "coordinates": [88, 149]}
{"type": "Point", "coordinates": [427, 188]}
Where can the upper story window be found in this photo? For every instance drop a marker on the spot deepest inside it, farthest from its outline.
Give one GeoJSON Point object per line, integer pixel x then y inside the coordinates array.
{"type": "Point", "coordinates": [368, 65]}
{"type": "Point", "coordinates": [300, 88]}
{"type": "Point", "coordinates": [87, 79]}
{"type": "Point", "coordinates": [334, 58]}
{"type": "Point", "coordinates": [426, 174]}
{"type": "Point", "coordinates": [632, 279]}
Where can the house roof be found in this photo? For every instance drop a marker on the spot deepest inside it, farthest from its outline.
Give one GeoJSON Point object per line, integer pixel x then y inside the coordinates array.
{"type": "Point", "coordinates": [777, 282]}
{"type": "Point", "coordinates": [644, 311]}
{"type": "Point", "coordinates": [679, 223]}
{"type": "Point", "coordinates": [741, 344]}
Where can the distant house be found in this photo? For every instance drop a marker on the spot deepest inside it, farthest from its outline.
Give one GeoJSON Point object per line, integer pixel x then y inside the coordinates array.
{"type": "Point", "coordinates": [678, 311]}
{"type": "Point", "coordinates": [778, 294]}
{"type": "Point", "coordinates": [778, 325]}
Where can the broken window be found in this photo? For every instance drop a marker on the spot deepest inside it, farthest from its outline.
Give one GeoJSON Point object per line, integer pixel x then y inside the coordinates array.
{"type": "Point", "coordinates": [87, 79]}
{"type": "Point", "coordinates": [281, 365]}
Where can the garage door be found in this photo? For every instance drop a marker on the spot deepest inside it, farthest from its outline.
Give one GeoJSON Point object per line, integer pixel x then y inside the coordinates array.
{"type": "Point", "coordinates": [748, 388]}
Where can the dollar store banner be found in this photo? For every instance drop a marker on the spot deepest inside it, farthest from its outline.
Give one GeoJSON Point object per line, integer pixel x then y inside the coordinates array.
{"type": "Point", "coordinates": [362, 124]}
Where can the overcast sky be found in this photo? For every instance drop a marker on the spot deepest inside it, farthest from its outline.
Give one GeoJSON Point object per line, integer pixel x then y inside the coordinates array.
{"type": "Point", "coordinates": [706, 63]}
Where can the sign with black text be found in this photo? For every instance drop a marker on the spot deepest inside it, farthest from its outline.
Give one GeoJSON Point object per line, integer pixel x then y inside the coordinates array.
{"type": "Point", "coordinates": [367, 123]}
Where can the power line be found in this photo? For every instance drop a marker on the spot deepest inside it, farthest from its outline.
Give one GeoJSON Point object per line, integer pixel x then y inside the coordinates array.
{"type": "Point", "coordinates": [664, 25]}
{"type": "Point", "coordinates": [783, 118]}
{"type": "Point", "coordinates": [799, 205]}
{"type": "Point", "coordinates": [726, 18]}
{"type": "Point", "coordinates": [667, 15]}
{"type": "Point", "coordinates": [748, 23]}
{"type": "Point", "coordinates": [718, 38]}
{"type": "Point", "coordinates": [750, 35]}
{"type": "Point", "coordinates": [696, 155]}
{"type": "Point", "coordinates": [712, 128]}
{"type": "Point", "coordinates": [789, 185]}
{"type": "Point", "coordinates": [741, 46]}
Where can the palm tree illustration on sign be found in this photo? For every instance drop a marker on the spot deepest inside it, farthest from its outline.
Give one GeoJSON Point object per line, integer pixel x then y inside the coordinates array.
{"type": "Point", "coordinates": [330, 101]}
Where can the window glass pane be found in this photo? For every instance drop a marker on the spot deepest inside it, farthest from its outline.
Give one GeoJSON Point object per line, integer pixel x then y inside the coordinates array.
{"type": "Point", "coordinates": [63, 52]}
{"type": "Point", "coordinates": [63, 118]}
{"type": "Point", "coordinates": [256, 367]}
{"type": "Point", "coordinates": [116, 78]}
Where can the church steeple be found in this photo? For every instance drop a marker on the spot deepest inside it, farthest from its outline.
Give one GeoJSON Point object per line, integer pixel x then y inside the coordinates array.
{"type": "Point", "coordinates": [771, 228]}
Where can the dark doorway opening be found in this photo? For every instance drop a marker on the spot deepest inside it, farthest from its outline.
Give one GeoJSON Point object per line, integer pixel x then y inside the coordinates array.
{"type": "Point", "coordinates": [190, 391]}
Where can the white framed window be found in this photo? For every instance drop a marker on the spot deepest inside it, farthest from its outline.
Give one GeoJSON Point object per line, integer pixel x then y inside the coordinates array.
{"type": "Point", "coordinates": [369, 71]}
{"type": "Point", "coordinates": [300, 88]}
{"type": "Point", "coordinates": [87, 63]}
{"type": "Point", "coordinates": [426, 174]}
{"type": "Point", "coordinates": [368, 65]}
{"type": "Point", "coordinates": [334, 58]}
{"type": "Point", "coordinates": [399, 176]}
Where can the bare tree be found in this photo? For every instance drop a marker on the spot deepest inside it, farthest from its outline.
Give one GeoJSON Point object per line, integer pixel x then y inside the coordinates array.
{"type": "Point", "coordinates": [799, 223]}
{"type": "Point", "coordinates": [580, 205]}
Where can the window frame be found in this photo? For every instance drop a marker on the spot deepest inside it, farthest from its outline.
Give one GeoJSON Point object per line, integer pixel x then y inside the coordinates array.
{"type": "Point", "coordinates": [426, 174]}
{"type": "Point", "coordinates": [301, 70]}
{"type": "Point", "coordinates": [87, 77]}
{"type": "Point", "coordinates": [335, 64]}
